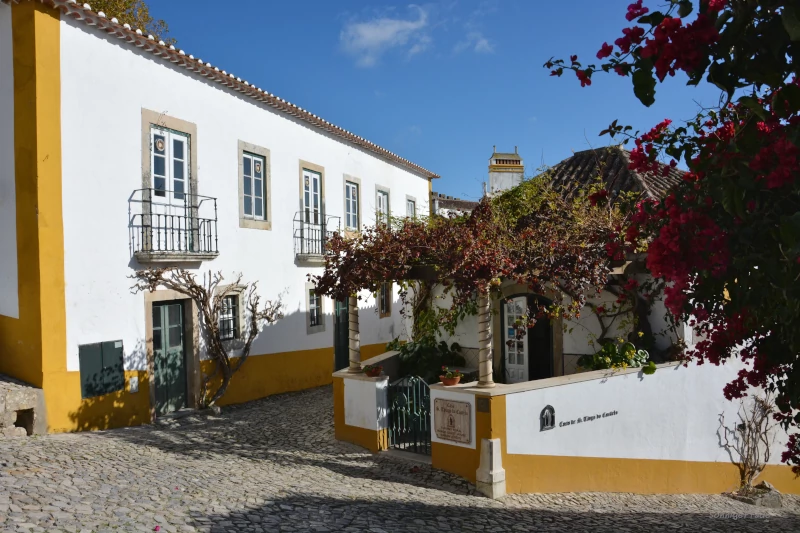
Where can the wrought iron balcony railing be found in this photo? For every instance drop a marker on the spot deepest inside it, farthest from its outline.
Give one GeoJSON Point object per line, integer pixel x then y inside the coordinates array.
{"type": "Point", "coordinates": [311, 233]}
{"type": "Point", "coordinates": [172, 226]}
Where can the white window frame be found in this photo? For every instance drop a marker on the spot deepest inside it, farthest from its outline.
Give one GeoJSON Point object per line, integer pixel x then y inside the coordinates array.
{"type": "Point", "coordinates": [256, 185]}
{"type": "Point", "coordinates": [163, 140]}
{"type": "Point", "coordinates": [352, 205]}
{"type": "Point", "coordinates": [383, 211]}
{"type": "Point", "coordinates": [252, 151]}
{"type": "Point", "coordinates": [411, 208]}
{"type": "Point", "coordinates": [312, 196]}
{"type": "Point", "coordinates": [317, 303]}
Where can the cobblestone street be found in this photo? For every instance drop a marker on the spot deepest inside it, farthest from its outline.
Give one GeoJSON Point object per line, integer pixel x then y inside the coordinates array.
{"type": "Point", "coordinates": [273, 465]}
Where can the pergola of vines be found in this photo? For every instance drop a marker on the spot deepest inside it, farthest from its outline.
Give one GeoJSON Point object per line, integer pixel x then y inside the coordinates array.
{"type": "Point", "coordinates": [553, 243]}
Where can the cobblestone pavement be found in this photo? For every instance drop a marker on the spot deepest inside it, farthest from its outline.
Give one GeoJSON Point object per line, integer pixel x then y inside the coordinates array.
{"type": "Point", "coordinates": [273, 465]}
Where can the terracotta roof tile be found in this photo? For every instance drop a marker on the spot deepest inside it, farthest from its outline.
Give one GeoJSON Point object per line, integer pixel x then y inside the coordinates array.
{"type": "Point", "coordinates": [611, 164]}
{"type": "Point", "coordinates": [124, 32]}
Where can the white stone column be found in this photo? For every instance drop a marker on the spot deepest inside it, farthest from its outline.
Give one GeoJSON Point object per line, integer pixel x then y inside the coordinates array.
{"type": "Point", "coordinates": [485, 371]}
{"type": "Point", "coordinates": [490, 478]}
{"type": "Point", "coordinates": [353, 337]}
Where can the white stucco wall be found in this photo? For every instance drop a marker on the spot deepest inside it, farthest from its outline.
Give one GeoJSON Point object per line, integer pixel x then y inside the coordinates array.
{"type": "Point", "coordinates": [672, 414]}
{"type": "Point", "coordinates": [365, 402]}
{"type": "Point", "coordinates": [102, 166]}
{"type": "Point", "coordinates": [9, 295]}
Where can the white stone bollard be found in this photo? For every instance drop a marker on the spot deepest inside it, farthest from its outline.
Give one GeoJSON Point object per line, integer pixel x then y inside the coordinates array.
{"type": "Point", "coordinates": [490, 478]}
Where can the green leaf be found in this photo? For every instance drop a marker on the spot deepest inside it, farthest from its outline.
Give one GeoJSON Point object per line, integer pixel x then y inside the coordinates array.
{"type": "Point", "coordinates": [649, 368]}
{"type": "Point", "coordinates": [751, 103]}
{"type": "Point", "coordinates": [654, 18]}
{"type": "Point", "coordinates": [790, 230]}
{"type": "Point", "coordinates": [644, 86]}
{"type": "Point", "coordinates": [685, 8]}
{"type": "Point", "coordinates": [791, 20]}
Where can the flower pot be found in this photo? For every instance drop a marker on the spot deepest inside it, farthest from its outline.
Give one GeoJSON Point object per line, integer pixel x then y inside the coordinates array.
{"type": "Point", "coordinates": [449, 382]}
{"type": "Point", "coordinates": [373, 373]}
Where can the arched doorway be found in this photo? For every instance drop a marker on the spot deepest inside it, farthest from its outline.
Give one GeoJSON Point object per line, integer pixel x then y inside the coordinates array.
{"type": "Point", "coordinates": [531, 357]}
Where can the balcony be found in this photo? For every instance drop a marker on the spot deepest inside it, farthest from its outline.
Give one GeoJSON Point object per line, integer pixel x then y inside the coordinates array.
{"type": "Point", "coordinates": [170, 227]}
{"type": "Point", "coordinates": [311, 236]}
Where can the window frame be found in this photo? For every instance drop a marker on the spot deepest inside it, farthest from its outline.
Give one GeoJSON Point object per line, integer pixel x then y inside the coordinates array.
{"type": "Point", "coordinates": [153, 119]}
{"type": "Point", "coordinates": [413, 201]}
{"type": "Point", "coordinates": [352, 180]}
{"type": "Point", "coordinates": [320, 326]}
{"type": "Point", "coordinates": [234, 316]}
{"type": "Point", "coordinates": [250, 221]}
{"type": "Point", "coordinates": [381, 190]}
{"type": "Point", "coordinates": [385, 294]}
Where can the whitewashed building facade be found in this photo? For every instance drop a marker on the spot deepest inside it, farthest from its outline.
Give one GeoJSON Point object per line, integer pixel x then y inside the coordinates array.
{"type": "Point", "coordinates": [118, 152]}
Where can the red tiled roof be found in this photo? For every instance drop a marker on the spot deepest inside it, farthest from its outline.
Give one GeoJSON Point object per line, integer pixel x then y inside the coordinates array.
{"type": "Point", "coordinates": [135, 37]}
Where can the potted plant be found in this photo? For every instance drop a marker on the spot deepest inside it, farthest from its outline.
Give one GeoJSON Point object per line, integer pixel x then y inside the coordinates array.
{"type": "Point", "coordinates": [450, 377]}
{"type": "Point", "coordinates": [373, 371]}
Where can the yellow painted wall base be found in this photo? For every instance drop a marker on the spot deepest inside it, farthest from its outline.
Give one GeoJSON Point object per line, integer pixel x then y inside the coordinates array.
{"type": "Point", "coordinates": [374, 441]}
{"type": "Point", "coordinates": [260, 376]}
{"type": "Point", "coordinates": [539, 473]}
{"type": "Point", "coordinates": [67, 411]}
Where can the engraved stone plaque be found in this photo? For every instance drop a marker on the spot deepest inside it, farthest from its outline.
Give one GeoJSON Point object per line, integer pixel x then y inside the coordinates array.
{"type": "Point", "coordinates": [451, 420]}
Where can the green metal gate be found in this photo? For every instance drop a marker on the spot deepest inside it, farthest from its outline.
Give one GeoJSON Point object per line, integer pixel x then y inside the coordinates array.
{"type": "Point", "coordinates": [410, 415]}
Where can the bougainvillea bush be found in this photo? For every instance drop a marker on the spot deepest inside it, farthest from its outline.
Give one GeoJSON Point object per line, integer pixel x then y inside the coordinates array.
{"type": "Point", "coordinates": [727, 240]}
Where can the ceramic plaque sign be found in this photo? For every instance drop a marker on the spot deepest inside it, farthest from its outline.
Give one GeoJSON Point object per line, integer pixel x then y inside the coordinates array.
{"type": "Point", "coordinates": [451, 420]}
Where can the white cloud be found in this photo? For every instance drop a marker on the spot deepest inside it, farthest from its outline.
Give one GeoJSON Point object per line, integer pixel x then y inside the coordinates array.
{"type": "Point", "coordinates": [476, 42]}
{"type": "Point", "coordinates": [368, 40]}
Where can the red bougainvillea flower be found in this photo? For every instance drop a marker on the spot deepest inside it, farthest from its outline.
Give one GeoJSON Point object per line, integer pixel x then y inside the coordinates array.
{"type": "Point", "coordinates": [636, 10]}
{"type": "Point", "coordinates": [605, 51]}
{"type": "Point", "coordinates": [598, 197]}
{"type": "Point", "coordinates": [715, 6]}
{"type": "Point", "coordinates": [573, 58]}
{"type": "Point", "coordinates": [584, 77]}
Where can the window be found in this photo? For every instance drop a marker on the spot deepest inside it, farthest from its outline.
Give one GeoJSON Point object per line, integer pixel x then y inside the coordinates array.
{"type": "Point", "coordinates": [351, 205]}
{"type": "Point", "coordinates": [253, 186]}
{"type": "Point", "coordinates": [101, 368]}
{"type": "Point", "coordinates": [385, 299]}
{"type": "Point", "coordinates": [381, 207]}
{"type": "Point", "coordinates": [229, 318]}
{"type": "Point", "coordinates": [411, 208]}
{"type": "Point", "coordinates": [312, 189]}
{"type": "Point", "coordinates": [169, 154]}
{"type": "Point", "coordinates": [314, 309]}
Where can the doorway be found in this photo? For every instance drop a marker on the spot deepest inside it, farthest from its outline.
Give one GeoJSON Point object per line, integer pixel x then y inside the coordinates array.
{"type": "Point", "coordinates": [169, 357]}
{"type": "Point", "coordinates": [531, 357]}
{"type": "Point", "coordinates": [341, 336]}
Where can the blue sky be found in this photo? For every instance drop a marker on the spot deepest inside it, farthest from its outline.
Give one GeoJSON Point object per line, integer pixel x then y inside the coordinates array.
{"type": "Point", "coordinates": [437, 83]}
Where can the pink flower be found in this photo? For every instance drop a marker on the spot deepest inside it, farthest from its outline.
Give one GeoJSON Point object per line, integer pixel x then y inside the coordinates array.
{"type": "Point", "coordinates": [157, 528]}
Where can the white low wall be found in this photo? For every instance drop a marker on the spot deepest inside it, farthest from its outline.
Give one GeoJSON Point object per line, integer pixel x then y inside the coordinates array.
{"type": "Point", "coordinates": [365, 402]}
{"type": "Point", "coordinates": [672, 414]}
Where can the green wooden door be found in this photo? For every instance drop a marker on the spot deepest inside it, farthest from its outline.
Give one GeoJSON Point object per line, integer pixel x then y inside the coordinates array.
{"type": "Point", "coordinates": [169, 355]}
{"type": "Point", "coordinates": [341, 336]}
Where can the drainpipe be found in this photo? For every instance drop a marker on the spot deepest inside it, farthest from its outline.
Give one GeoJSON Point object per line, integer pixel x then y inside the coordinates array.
{"type": "Point", "coordinates": [353, 337]}
{"type": "Point", "coordinates": [485, 372]}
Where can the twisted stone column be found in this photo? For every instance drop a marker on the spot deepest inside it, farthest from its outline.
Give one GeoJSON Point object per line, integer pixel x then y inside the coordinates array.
{"type": "Point", "coordinates": [485, 371]}
{"type": "Point", "coordinates": [353, 337]}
